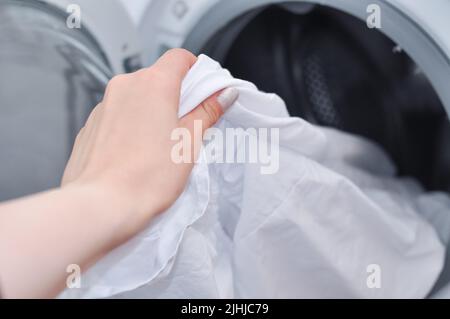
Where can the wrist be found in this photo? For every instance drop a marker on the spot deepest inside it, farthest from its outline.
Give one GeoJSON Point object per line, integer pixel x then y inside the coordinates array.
{"type": "Point", "coordinates": [109, 208]}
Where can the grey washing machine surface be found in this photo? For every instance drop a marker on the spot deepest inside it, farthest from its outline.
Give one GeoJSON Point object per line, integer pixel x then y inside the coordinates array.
{"type": "Point", "coordinates": [50, 79]}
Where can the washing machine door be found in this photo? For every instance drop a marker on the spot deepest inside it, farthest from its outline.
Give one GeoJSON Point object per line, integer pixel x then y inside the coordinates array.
{"type": "Point", "coordinates": [388, 84]}
{"type": "Point", "coordinates": [51, 77]}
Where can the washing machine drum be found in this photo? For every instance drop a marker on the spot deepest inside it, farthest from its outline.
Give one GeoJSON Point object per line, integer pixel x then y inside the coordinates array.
{"type": "Point", "coordinates": [50, 78]}
{"type": "Point", "coordinates": [334, 71]}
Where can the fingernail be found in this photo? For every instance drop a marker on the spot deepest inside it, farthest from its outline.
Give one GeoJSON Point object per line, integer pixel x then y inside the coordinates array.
{"type": "Point", "coordinates": [227, 98]}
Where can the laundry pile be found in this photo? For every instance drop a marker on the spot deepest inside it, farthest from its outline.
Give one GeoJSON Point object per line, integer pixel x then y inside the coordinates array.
{"type": "Point", "coordinates": [332, 220]}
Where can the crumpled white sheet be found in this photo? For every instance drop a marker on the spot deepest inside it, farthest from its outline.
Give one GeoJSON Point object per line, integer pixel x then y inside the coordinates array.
{"type": "Point", "coordinates": [311, 230]}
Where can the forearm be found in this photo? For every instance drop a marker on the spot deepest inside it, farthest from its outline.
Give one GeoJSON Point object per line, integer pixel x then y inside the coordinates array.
{"type": "Point", "coordinates": [41, 235]}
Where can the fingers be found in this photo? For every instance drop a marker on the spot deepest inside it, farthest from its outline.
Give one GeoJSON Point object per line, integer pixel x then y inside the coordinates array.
{"type": "Point", "coordinates": [210, 111]}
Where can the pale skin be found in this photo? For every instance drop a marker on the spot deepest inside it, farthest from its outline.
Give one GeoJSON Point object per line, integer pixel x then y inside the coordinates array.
{"type": "Point", "coordinates": [119, 177]}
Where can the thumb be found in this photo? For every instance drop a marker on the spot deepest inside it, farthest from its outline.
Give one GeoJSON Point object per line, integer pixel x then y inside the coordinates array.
{"type": "Point", "coordinates": [210, 110]}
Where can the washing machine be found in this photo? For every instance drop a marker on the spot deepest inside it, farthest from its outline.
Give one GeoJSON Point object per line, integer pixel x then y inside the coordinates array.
{"type": "Point", "coordinates": [333, 66]}
{"type": "Point", "coordinates": [387, 81]}
{"type": "Point", "coordinates": [52, 74]}
{"type": "Point", "coordinates": [389, 84]}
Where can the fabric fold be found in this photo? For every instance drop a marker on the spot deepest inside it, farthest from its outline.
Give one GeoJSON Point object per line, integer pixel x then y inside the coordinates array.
{"type": "Point", "coordinates": [331, 214]}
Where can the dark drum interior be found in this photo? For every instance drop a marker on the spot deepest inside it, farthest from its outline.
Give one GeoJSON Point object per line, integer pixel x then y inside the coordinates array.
{"type": "Point", "coordinates": [332, 70]}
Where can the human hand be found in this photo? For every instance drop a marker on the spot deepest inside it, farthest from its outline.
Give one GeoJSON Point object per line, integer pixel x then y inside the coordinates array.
{"type": "Point", "coordinates": [119, 176]}
{"type": "Point", "coordinates": [124, 150]}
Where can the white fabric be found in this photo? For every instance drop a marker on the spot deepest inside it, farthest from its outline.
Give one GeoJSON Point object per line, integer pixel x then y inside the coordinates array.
{"type": "Point", "coordinates": [311, 230]}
